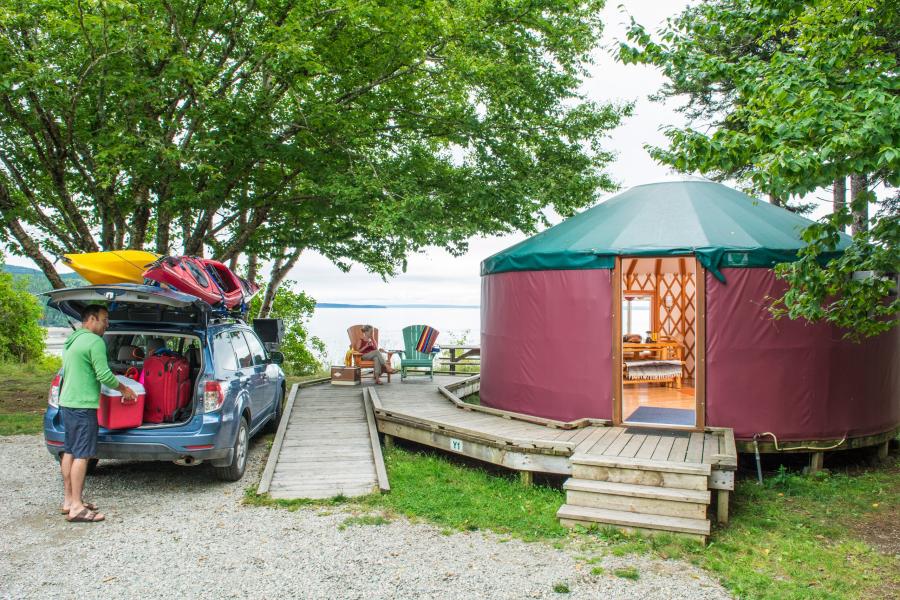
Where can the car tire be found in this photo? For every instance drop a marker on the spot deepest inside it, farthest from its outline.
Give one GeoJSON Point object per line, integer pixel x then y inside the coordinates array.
{"type": "Point", "coordinates": [275, 421]}
{"type": "Point", "coordinates": [238, 465]}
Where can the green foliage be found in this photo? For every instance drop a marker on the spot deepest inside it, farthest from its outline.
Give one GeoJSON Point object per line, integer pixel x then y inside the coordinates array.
{"type": "Point", "coordinates": [303, 354]}
{"type": "Point", "coordinates": [789, 97]}
{"type": "Point", "coordinates": [864, 305]}
{"type": "Point", "coordinates": [362, 130]}
{"type": "Point", "coordinates": [561, 588]}
{"type": "Point", "coordinates": [21, 337]}
{"type": "Point", "coordinates": [36, 282]}
{"type": "Point", "coordinates": [797, 93]}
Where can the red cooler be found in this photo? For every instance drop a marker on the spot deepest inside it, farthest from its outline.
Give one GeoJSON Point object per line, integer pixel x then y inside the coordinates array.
{"type": "Point", "coordinates": [115, 413]}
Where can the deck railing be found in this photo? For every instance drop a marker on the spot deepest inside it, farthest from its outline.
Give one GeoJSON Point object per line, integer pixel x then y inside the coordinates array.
{"type": "Point", "coordinates": [456, 360]}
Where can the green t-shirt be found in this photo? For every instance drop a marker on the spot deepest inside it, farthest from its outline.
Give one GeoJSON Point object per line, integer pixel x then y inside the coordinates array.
{"type": "Point", "coordinates": [84, 368]}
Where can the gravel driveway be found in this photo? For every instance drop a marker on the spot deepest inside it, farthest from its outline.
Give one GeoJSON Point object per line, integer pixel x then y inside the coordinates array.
{"type": "Point", "coordinates": [176, 532]}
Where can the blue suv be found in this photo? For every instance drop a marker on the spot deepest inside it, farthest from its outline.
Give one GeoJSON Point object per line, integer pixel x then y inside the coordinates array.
{"type": "Point", "coordinates": [238, 386]}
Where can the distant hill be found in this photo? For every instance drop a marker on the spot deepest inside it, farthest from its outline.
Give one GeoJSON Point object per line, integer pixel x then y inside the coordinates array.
{"type": "Point", "coordinates": [37, 282]}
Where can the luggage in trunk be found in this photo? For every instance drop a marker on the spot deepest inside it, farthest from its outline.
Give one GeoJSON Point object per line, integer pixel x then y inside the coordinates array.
{"type": "Point", "coordinates": [167, 380]}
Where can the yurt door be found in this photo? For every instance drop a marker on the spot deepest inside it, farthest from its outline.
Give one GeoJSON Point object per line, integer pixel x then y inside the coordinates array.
{"type": "Point", "coordinates": [658, 326]}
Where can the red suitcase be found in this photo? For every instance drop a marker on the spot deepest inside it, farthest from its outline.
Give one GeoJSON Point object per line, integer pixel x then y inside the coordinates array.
{"type": "Point", "coordinates": [167, 380]}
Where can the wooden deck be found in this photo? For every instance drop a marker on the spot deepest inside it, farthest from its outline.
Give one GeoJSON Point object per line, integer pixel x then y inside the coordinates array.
{"type": "Point", "coordinates": [636, 479]}
{"type": "Point", "coordinates": [327, 445]}
{"type": "Point", "coordinates": [420, 403]}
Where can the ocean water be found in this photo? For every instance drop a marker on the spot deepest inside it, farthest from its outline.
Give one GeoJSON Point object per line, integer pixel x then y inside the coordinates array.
{"type": "Point", "coordinates": [457, 326]}
{"type": "Point", "coordinates": [460, 326]}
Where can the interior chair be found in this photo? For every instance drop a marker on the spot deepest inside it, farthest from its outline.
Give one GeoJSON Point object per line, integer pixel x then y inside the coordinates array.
{"type": "Point", "coordinates": [155, 344]}
{"type": "Point", "coordinates": [356, 336]}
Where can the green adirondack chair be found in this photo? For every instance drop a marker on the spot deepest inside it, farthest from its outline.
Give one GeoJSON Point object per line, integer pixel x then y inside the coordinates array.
{"type": "Point", "coordinates": [411, 357]}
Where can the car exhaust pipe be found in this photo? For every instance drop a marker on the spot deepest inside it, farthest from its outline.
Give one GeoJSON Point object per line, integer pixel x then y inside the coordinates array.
{"type": "Point", "coordinates": [188, 461]}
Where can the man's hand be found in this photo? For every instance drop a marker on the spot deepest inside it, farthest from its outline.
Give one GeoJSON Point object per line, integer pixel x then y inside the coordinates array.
{"type": "Point", "coordinates": [128, 394]}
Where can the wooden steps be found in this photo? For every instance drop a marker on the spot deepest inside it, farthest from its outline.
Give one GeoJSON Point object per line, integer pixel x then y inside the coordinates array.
{"type": "Point", "coordinates": [632, 522]}
{"type": "Point", "coordinates": [638, 495]}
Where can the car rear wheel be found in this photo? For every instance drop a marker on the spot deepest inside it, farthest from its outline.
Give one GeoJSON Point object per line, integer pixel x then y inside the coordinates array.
{"type": "Point", "coordinates": [92, 465]}
{"type": "Point", "coordinates": [238, 465]}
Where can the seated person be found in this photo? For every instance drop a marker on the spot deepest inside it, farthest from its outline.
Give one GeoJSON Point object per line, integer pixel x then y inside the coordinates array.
{"type": "Point", "coordinates": [370, 351]}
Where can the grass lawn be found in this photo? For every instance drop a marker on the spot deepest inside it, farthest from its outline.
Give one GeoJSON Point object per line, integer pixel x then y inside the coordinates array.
{"type": "Point", "coordinates": [829, 536]}
{"type": "Point", "coordinates": [292, 379]}
{"type": "Point", "coordinates": [23, 395]}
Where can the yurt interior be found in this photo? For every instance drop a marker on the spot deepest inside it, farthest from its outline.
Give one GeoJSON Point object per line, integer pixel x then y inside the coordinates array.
{"type": "Point", "coordinates": [658, 334]}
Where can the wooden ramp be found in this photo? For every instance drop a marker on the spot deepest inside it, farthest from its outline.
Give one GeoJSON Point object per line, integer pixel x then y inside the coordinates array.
{"type": "Point", "coordinates": [326, 445]}
{"type": "Point", "coordinates": [632, 478]}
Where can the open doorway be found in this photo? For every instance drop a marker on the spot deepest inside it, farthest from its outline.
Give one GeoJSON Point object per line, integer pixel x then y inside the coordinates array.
{"type": "Point", "coordinates": [658, 339]}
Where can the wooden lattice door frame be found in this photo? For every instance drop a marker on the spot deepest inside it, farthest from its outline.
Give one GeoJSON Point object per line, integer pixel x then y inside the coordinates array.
{"type": "Point", "coordinates": [700, 346]}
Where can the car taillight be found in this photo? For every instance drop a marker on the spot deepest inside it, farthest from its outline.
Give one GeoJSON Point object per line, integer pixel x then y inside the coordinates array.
{"type": "Point", "coordinates": [53, 396]}
{"type": "Point", "coordinates": [212, 396]}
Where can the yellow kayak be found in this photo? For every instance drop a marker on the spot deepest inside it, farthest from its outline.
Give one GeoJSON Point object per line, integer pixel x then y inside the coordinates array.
{"type": "Point", "coordinates": [115, 266]}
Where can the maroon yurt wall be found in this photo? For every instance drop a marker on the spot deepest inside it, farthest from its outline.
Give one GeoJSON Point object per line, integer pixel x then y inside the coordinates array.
{"type": "Point", "coordinates": [546, 343]}
{"type": "Point", "coordinates": [798, 380]}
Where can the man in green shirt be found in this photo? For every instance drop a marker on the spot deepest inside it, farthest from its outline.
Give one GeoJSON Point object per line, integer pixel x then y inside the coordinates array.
{"type": "Point", "coordinates": [84, 368]}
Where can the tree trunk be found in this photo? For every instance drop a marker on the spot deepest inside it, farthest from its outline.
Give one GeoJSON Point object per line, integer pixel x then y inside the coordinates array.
{"type": "Point", "coordinates": [252, 266]}
{"type": "Point", "coordinates": [141, 217]}
{"type": "Point", "coordinates": [163, 222]}
{"type": "Point", "coordinates": [839, 194]}
{"type": "Point", "coordinates": [859, 203]}
{"type": "Point", "coordinates": [29, 247]}
{"type": "Point", "coordinates": [280, 269]}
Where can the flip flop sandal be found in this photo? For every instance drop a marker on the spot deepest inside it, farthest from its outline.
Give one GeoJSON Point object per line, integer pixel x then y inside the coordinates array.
{"type": "Point", "coordinates": [87, 505]}
{"type": "Point", "coordinates": [85, 516]}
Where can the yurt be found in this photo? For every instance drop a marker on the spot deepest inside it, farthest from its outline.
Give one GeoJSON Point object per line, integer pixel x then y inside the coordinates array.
{"type": "Point", "coordinates": [651, 309]}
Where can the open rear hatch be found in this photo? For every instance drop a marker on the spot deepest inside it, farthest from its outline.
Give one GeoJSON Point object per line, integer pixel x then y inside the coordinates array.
{"type": "Point", "coordinates": [132, 303]}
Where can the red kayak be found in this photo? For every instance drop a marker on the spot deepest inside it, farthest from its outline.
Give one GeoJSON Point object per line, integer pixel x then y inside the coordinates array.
{"type": "Point", "coordinates": [209, 280]}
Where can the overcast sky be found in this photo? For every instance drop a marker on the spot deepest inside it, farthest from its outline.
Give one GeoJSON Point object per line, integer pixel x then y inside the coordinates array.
{"type": "Point", "coordinates": [435, 276]}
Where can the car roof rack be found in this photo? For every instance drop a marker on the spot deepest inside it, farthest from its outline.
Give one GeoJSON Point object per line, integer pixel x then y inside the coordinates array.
{"type": "Point", "coordinates": [219, 319]}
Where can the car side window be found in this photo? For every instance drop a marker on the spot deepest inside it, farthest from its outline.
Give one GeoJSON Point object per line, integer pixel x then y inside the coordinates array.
{"type": "Point", "coordinates": [244, 358]}
{"type": "Point", "coordinates": [256, 348]}
{"type": "Point", "coordinates": [224, 352]}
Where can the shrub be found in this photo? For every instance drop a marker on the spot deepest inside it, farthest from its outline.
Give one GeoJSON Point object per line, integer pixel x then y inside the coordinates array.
{"type": "Point", "coordinates": [21, 337]}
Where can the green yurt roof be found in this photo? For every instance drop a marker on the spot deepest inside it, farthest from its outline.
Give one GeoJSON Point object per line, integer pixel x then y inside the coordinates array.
{"type": "Point", "coordinates": [721, 226]}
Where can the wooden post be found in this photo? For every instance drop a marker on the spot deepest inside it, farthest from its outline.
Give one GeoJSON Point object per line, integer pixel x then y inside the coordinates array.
{"type": "Point", "coordinates": [617, 341]}
{"type": "Point", "coordinates": [527, 478]}
{"type": "Point", "coordinates": [388, 442]}
{"type": "Point", "coordinates": [816, 460]}
{"type": "Point", "coordinates": [883, 450]}
{"type": "Point", "coordinates": [722, 506]}
{"type": "Point", "coordinates": [453, 361]}
{"type": "Point", "coordinates": [700, 344]}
